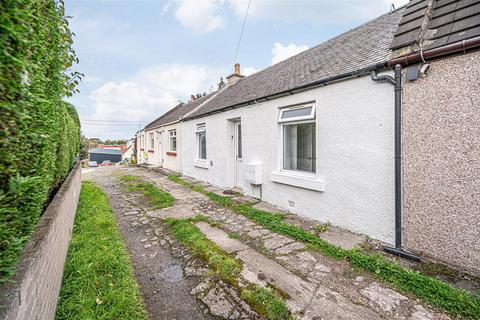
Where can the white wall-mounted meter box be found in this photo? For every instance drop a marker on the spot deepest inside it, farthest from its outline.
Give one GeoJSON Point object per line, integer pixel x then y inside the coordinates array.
{"type": "Point", "coordinates": [253, 173]}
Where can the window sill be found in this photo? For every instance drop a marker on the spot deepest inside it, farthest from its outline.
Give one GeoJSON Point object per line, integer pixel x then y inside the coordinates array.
{"type": "Point", "coordinates": [151, 150]}
{"type": "Point", "coordinates": [304, 181]}
{"type": "Point", "coordinates": [171, 153]}
{"type": "Point", "coordinates": [201, 164]}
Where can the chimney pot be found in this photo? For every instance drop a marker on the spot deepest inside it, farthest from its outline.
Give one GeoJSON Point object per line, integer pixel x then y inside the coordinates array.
{"type": "Point", "coordinates": [235, 76]}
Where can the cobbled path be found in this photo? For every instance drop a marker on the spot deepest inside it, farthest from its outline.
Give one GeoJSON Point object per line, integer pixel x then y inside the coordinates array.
{"type": "Point", "coordinates": [320, 287]}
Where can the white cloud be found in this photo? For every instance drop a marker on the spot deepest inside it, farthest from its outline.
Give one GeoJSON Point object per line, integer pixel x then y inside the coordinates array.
{"type": "Point", "coordinates": [281, 52]}
{"type": "Point", "coordinates": [248, 71]}
{"type": "Point", "coordinates": [314, 12]}
{"type": "Point", "coordinates": [165, 8]}
{"type": "Point", "coordinates": [200, 15]}
{"type": "Point", "coordinates": [144, 97]}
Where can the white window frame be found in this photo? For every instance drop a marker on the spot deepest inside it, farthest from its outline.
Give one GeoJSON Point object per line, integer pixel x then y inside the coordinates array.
{"type": "Point", "coordinates": [303, 179]}
{"type": "Point", "coordinates": [201, 128]}
{"type": "Point", "coordinates": [282, 144]}
{"type": "Point", "coordinates": [310, 116]}
{"type": "Point", "coordinates": [172, 134]}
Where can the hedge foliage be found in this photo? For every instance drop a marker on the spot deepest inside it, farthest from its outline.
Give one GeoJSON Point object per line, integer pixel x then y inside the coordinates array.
{"type": "Point", "coordinates": [39, 132]}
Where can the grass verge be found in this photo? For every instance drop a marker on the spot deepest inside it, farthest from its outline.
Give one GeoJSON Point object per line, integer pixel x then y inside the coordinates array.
{"type": "Point", "coordinates": [98, 281]}
{"type": "Point", "coordinates": [264, 300]}
{"type": "Point", "coordinates": [157, 198]}
{"type": "Point", "coordinates": [437, 293]}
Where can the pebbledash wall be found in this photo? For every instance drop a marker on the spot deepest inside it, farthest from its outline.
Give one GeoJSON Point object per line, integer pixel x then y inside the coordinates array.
{"type": "Point", "coordinates": [34, 291]}
{"type": "Point", "coordinates": [442, 162]}
{"type": "Point", "coordinates": [354, 155]}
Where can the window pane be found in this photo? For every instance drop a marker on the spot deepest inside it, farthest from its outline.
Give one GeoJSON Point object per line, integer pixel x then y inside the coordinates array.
{"type": "Point", "coordinates": [201, 127]}
{"type": "Point", "coordinates": [239, 142]}
{"type": "Point", "coordinates": [202, 145]}
{"type": "Point", "coordinates": [293, 113]}
{"type": "Point", "coordinates": [299, 147]}
{"type": "Point", "coordinates": [173, 143]}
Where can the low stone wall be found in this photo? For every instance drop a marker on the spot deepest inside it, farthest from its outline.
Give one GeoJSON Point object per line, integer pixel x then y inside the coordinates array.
{"type": "Point", "coordinates": [33, 294]}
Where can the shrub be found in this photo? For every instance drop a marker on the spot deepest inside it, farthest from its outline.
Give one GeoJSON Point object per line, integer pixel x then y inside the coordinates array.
{"type": "Point", "coordinates": [39, 135]}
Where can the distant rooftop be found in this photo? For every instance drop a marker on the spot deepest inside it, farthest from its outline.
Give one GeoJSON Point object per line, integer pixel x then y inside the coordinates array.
{"type": "Point", "coordinates": [105, 151]}
{"type": "Point", "coordinates": [177, 112]}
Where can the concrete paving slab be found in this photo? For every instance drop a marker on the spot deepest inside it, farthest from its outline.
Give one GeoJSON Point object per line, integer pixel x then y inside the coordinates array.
{"type": "Point", "coordinates": [343, 238]}
{"type": "Point", "coordinates": [176, 212]}
{"type": "Point", "coordinates": [270, 208]}
{"type": "Point", "coordinates": [221, 238]}
{"type": "Point", "coordinates": [383, 298]}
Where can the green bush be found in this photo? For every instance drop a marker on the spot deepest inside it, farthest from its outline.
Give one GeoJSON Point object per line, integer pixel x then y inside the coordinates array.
{"type": "Point", "coordinates": [39, 132]}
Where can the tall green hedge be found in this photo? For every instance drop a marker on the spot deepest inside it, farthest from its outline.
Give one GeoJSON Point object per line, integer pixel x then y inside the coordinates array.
{"type": "Point", "coordinates": [39, 131]}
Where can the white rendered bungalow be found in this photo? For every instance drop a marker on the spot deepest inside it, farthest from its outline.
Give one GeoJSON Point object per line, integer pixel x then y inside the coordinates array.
{"type": "Point", "coordinates": [160, 141]}
{"type": "Point", "coordinates": [313, 134]}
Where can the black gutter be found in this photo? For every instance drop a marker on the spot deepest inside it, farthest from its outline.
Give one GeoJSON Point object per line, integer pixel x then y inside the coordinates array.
{"type": "Point", "coordinates": [397, 82]}
{"type": "Point", "coordinates": [308, 86]}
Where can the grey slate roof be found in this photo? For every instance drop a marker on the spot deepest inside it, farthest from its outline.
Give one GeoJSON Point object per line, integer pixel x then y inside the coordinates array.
{"type": "Point", "coordinates": [354, 50]}
{"type": "Point", "coordinates": [450, 21]}
{"type": "Point", "coordinates": [105, 151]}
{"type": "Point", "coordinates": [177, 112]}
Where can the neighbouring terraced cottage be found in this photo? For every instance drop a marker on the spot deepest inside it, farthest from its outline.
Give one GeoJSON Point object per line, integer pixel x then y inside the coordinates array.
{"type": "Point", "coordinates": [437, 43]}
{"type": "Point", "coordinates": [159, 143]}
{"type": "Point", "coordinates": [320, 134]}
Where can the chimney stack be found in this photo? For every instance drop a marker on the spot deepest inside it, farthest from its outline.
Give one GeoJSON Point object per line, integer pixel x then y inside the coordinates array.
{"type": "Point", "coordinates": [192, 97]}
{"type": "Point", "coordinates": [235, 76]}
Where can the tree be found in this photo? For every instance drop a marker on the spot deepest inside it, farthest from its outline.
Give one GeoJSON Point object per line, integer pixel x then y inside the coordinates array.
{"type": "Point", "coordinates": [221, 84]}
{"type": "Point", "coordinates": [84, 142]}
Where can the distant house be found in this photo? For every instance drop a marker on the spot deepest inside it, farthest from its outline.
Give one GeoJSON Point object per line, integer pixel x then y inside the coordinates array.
{"type": "Point", "coordinates": [437, 43]}
{"type": "Point", "coordinates": [102, 154]}
{"type": "Point", "coordinates": [160, 141]}
{"type": "Point", "coordinates": [128, 150]}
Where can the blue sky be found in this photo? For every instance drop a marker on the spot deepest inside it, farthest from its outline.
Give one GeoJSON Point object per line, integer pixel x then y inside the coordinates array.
{"type": "Point", "coordinates": [141, 57]}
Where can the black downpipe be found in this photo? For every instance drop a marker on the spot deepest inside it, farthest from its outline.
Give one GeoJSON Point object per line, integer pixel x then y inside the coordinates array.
{"type": "Point", "coordinates": [397, 82]}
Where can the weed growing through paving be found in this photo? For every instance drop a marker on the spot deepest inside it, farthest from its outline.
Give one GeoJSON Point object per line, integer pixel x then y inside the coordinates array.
{"type": "Point", "coordinates": [98, 281]}
{"type": "Point", "coordinates": [224, 265]}
{"type": "Point", "coordinates": [128, 178]}
{"type": "Point", "coordinates": [440, 294]}
{"type": "Point", "coordinates": [322, 227]}
{"type": "Point", "coordinates": [265, 301]}
{"type": "Point", "coordinates": [233, 235]}
{"type": "Point", "coordinates": [157, 198]}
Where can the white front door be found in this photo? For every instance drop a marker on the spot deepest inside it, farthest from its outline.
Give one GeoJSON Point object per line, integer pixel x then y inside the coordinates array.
{"type": "Point", "coordinates": [237, 140]}
{"type": "Point", "coordinates": [160, 148]}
